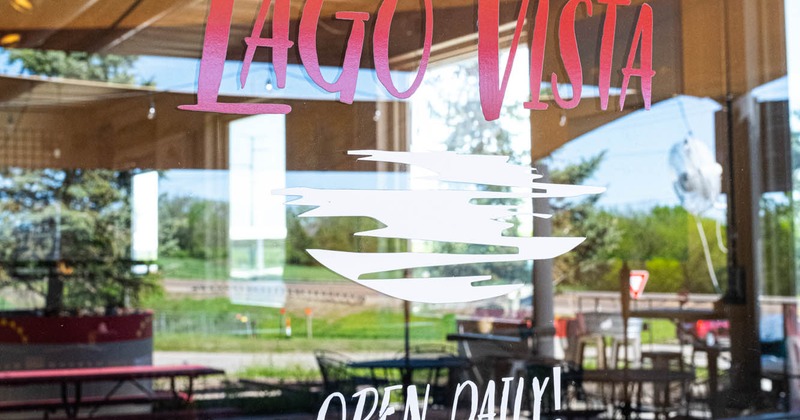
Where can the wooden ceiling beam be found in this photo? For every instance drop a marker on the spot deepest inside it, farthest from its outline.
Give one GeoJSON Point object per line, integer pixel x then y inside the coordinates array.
{"type": "Point", "coordinates": [40, 37]}
{"type": "Point", "coordinates": [163, 9]}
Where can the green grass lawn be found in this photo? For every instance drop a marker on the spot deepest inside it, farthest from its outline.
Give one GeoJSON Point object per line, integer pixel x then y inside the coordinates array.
{"type": "Point", "coordinates": [193, 268]}
{"type": "Point", "coordinates": [210, 325]}
{"type": "Point", "coordinates": [385, 324]}
{"type": "Point", "coordinates": [308, 272]}
{"type": "Point", "coordinates": [211, 306]}
{"type": "Point", "coordinates": [199, 269]}
{"type": "Point", "coordinates": [291, 373]}
{"type": "Point", "coordinates": [369, 329]}
{"type": "Point", "coordinates": [661, 331]}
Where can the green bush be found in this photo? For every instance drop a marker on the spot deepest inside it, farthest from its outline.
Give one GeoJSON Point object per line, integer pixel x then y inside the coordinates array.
{"type": "Point", "coordinates": [666, 275]}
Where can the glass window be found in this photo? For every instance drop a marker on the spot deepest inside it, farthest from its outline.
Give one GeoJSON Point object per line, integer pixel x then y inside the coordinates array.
{"type": "Point", "coordinates": [288, 200]}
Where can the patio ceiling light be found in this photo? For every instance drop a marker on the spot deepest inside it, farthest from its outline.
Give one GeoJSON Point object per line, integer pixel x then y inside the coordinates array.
{"type": "Point", "coordinates": [22, 6]}
{"type": "Point", "coordinates": [10, 40]}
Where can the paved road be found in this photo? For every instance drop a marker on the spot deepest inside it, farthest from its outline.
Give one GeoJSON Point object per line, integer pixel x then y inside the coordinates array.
{"type": "Point", "coordinates": [234, 362]}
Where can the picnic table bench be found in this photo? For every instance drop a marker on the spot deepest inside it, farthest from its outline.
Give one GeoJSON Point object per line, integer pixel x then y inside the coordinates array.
{"type": "Point", "coordinates": [74, 379]}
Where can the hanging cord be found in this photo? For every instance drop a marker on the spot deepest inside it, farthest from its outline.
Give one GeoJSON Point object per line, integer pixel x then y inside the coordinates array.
{"type": "Point", "coordinates": [707, 253]}
{"type": "Point", "coordinates": [685, 118]}
{"type": "Point", "coordinates": [720, 243]}
{"type": "Point", "coordinates": [700, 230]}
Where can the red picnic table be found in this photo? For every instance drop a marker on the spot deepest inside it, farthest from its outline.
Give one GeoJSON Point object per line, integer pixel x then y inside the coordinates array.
{"type": "Point", "coordinates": [119, 374]}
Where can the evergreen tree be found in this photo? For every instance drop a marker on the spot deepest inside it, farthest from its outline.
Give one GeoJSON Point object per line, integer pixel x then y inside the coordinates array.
{"type": "Point", "coordinates": [586, 264]}
{"type": "Point", "coordinates": [70, 227]}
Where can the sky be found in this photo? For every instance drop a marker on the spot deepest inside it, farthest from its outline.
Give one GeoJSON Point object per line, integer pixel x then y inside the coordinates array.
{"type": "Point", "coordinates": [180, 75]}
{"type": "Point", "coordinates": [636, 169]}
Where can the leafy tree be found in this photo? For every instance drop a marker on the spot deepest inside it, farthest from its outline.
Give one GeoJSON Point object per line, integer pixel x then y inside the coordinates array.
{"type": "Point", "coordinates": [297, 241]}
{"type": "Point", "coordinates": [208, 229]}
{"type": "Point", "coordinates": [174, 235]}
{"type": "Point", "coordinates": [580, 217]}
{"type": "Point", "coordinates": [662, 232]}
{"type": "Point", "coordinates": [335, 233]}
{"type": "Point", "coordinates": [192, 227]}
{"type": "Point", "coordinates": [470, 133]}
{"type": "Point", "coordinates": [778, 253]}
{"type": "Point", "coordinates": [696, 270]}
{"type": "Point", "coordinates": [665, 241]}
{"type": "Point", "coordinates": [77, 65]}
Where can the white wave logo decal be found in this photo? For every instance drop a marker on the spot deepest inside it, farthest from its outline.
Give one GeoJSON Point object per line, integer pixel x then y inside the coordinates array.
{"type": "Point", "coordinates": [438, 215]}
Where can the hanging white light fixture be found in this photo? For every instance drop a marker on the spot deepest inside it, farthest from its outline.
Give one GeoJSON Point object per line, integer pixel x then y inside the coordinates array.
{"type": "Point", "coordinates": [151, 112]}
